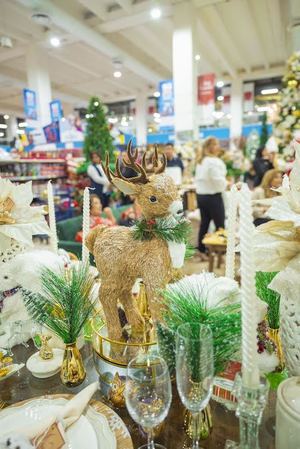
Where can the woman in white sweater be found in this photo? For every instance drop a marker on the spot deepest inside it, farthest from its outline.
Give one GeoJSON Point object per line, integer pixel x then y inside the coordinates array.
{"type": "Point", "coordinates": [211, 182]}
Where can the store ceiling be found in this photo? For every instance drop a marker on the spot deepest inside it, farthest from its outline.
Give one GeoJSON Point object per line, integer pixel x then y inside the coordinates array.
{"type": "Point", "coordinates": [234, 37]}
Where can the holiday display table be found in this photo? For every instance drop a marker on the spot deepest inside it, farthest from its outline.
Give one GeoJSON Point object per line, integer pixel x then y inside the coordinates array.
{"type": "Point", "coordinates": [225, 424]}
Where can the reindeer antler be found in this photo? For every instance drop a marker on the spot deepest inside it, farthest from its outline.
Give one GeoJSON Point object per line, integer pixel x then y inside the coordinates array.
{"type": "Point", "coordinates": [155, 162]}
{"type": "Point", "coordinates": [142, 178]}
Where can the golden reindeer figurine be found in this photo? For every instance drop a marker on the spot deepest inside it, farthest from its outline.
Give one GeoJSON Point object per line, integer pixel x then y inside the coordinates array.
{"type": "Point", "coordinates": [121, 259]}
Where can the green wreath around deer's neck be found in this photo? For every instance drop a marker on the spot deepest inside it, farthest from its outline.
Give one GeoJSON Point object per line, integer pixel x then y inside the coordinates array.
{"type": "Point", "coordinates": [168, 229]}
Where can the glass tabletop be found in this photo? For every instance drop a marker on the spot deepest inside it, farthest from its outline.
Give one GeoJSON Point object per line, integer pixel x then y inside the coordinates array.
{"type": "Point", "coordinates": [24, 386]}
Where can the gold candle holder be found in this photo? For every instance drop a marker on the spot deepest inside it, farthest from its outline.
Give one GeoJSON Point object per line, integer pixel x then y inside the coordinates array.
{"type": "Point", "coordinates": [72, 370]}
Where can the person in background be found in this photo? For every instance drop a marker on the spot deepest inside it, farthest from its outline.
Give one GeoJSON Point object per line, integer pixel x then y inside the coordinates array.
{"type": "Point", "coordinates": [174, 167]}
{"type": "Point", "coordinates": [261, 165]}
{"type": "Point", "coordinates": [210, 179]}
{"type": "Point", "coordinates": [99, 181]}
{"type": "Point", "coordinates": [96, 217]}
{"type": "Point", "coordinates": [272, 180]}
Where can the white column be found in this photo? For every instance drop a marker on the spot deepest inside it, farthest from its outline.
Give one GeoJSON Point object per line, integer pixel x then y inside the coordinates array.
{"type": "Point", "coordinates": [294, 14]}
{"type": "Point", "coordinates": [141, 118]}
{"type": "Point", "coordinates": [184, 70]}
{"type": "Point", "coordinates": [236, 108]}
{"type": "Point", "coordinates": [12, 127]}
{"type": "Point", "coordinates": [39, 81]}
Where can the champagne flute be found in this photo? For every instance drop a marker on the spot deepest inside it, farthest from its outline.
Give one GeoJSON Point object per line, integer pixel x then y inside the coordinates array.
{"type": "Point", "coordinates": [148, 393]}
{"type": "Point", "coordinates": [194, 370]}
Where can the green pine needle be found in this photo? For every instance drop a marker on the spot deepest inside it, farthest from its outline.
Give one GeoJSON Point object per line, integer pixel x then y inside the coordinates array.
{"type": "Point", "coordinates": [267, 295]}
{"type": "Point", "coordinates": [163, 229]}
{"type": "Point", "coordinates": [64, 305]}
{"type": "Point", "coordinates": [184, 307]}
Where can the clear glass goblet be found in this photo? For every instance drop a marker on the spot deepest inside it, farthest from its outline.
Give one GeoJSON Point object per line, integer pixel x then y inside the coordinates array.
{"type": "Point", "coordinates": [194, 370]}
{"type": "Point", "coordinates": [148, 393]}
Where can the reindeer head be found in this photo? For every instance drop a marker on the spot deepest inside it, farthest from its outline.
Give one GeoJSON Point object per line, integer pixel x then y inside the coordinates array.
{"type": "Point", "coordinates": [156, 193]}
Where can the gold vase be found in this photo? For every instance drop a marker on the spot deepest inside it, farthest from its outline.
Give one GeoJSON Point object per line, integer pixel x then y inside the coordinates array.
{"type": "Point", "coordinates": [72, 370]}
{"type": "Point", "coordinates": [274, 335]}
{"type": "Point", "coordinates": [204, 426]}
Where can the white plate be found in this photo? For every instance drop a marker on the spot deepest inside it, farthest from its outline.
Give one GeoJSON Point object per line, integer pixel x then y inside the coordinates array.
{"type": "Point", "coordinates": [45, 368]}
{"type": "Point", "coordinates": [90, 431]}
{"type": "Point", "coordinates": [14, 368]}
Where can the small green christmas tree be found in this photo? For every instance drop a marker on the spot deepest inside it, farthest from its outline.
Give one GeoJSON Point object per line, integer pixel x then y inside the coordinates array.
{"type": "Point", "coordinates": [264, 131]}
{"type": "Point", "coordinates": [97, 138]}
{"type": "Point", "coordinates": [288, 120]}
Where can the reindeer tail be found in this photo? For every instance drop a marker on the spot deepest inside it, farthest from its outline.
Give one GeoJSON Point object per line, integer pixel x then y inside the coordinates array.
{"type": "Point", "coordinates": [92, 236]}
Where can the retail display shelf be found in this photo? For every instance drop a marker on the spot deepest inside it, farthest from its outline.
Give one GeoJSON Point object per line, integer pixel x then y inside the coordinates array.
{"type": "Point", "coordinates": [33, 178]}
{"type": "Point", "coordinates": [32, 161]}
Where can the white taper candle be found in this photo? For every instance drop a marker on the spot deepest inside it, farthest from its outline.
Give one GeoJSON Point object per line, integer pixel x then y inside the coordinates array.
{"type": "Point", "coordinates": [250, 371]}
{"type": "Point", "coordinates": [52, 220]}
{"type": "Point", "coordinates": [231, 232]}
{"type": "Point", "coordinates": [85, 224]}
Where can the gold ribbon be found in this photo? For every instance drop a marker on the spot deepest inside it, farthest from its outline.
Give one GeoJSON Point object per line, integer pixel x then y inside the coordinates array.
{"type": "Point", "coordinates": [6, 206]}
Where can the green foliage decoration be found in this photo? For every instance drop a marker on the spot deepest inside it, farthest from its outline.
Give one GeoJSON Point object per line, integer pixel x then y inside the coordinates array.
{"type": "Point", "coordinates": [262, 280]}
{"type": "Point", "coordinates": [64, 305]}
{"type": "Point", "coordinates": [97, 137]}
{"type": "Point", "coordinates": [185, 307]}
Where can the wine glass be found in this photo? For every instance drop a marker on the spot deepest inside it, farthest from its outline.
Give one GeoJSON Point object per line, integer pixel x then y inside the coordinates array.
{"type": "Point", "coordinates": [194, 370]}
{"type": "Point", "coordinates": [148, 393]}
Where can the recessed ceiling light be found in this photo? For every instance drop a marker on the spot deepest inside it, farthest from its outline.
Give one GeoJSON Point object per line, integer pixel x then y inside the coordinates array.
{"type": "Point", "coordinates": [155, 13]}
{"type": "Point", "coordinates": [6, 116]}
{"type": "Point", "coordinates": [269, 91]}
{"type": "Point", "coordinates": [197, 57]}
{"type": "Point", "coordinates": [220, 98]}
{"type": "Point", "coordinates": [55, 41]}
{"type": "Point", "coordinates": [220, 84]}
{"type": "Point", "coordinates": [3, 126]}
{"type": "Point", "coordinates": [22, 124]}
{"type": "Point", "coordinates": [1, 134]}
{"type": "Point", "coordinates": [117, 74]}
{"type": "Point", "coordinates": [156, 94]}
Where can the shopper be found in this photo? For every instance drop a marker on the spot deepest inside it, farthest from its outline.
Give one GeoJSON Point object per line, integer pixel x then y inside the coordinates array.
{"type": "Point", "coordinates": [98, 216]}
{"type": "Point", "coordinates": [99, 181]}
{"type": "Point", "coordinates": [261, 165]}
{"type": "Point", "coordinates": [174, 167]}
{"type": "Point", "coordinates": [272, 180]}
{"type": "Point", "coordinates": [210, 181]}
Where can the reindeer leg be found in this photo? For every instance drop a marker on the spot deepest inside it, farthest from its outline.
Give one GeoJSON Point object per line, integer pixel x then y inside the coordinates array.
{"type": "Point", "coordinates": [154, 300]}
{"type": "Point", "coordinates": [109, 301]}
{"type": "Point", "coordinates": [132, 312]}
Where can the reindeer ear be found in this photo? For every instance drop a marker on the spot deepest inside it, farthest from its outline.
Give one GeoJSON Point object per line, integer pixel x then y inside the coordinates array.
{"type": "Point", "coordinates": [128, 188]}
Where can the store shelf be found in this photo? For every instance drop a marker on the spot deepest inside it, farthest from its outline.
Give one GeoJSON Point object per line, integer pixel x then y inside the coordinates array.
{"type": "Point", "coordinates": [33, 178]}
{"type": "Point", "coordinates": [31, 161]}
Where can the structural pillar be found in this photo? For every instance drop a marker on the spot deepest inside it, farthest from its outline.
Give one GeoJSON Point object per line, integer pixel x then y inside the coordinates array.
{"type": "Point", "coordinates": [184, 71]}
{"type": "Point", "coordinates": [236, 108]}
{"type": "Point", "coordinates": [12, 127]}
{"type": "Point", "coordinates": [294, 25]}
{"type": "Point", "coordinates": [39, 81]}
{"type": "Point", "coordinates": [141, 118]}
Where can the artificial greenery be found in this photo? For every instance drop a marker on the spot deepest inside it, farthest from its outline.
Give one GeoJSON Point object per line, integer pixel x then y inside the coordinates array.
{"type": "Point", "coordinates": [65, 302]}
{"type": "Point", "coordinates": [268, 295]}
{"type": "Point", "coordinates": [97, 137]}
{"type": "Point", "coordinates": [168, 229]}
{"type": "Point", "coordinates": [187, 307]}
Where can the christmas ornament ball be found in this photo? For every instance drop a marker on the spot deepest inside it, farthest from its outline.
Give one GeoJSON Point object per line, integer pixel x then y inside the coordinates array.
{"type": "Point", "coordinates": [296, 113]}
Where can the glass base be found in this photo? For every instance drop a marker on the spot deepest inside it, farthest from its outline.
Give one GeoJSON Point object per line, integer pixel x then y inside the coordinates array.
{"type": "Point", "coordinates": [231, 445]}
{"type": "Point", "coordinates": [155, 446]}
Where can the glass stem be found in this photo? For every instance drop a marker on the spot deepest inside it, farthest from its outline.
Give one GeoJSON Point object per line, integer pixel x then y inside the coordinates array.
{"type": "Point", "coordinates": [249, 429]}
{"type": "Point", "coordinates": [196, 428]}
{"type": "Point", "coordinates": [150, 440]}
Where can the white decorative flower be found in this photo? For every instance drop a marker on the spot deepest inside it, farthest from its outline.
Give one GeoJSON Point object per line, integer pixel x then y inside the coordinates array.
{"type": "Point", "coordinates": [23, 221]}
